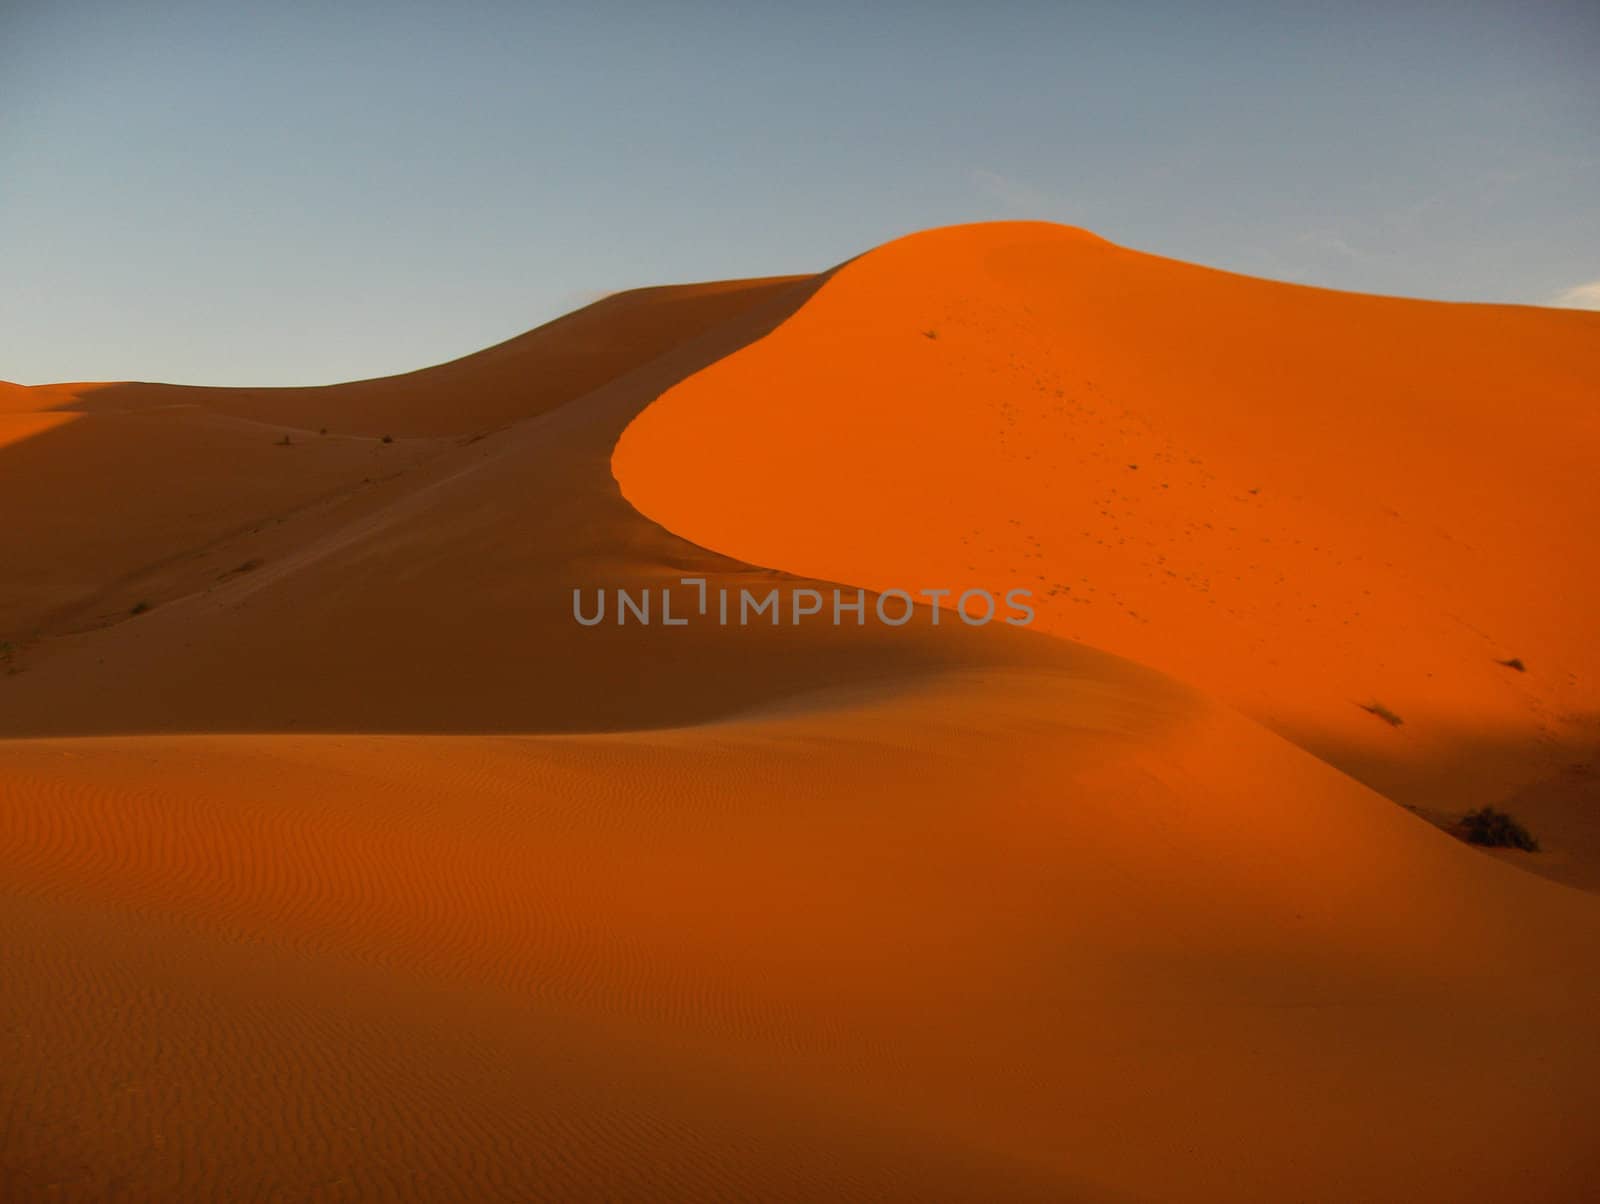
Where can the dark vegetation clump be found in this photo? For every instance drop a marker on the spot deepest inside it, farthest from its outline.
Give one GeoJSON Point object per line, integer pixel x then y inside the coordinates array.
{"type": "Point", "coordinates": [388, 438]}
{"type": "Point", "coordinates": [249, 566]}
{"type": "Point", "coordinates": [930, 334]}
{"type": "Point", "coordinates": [1496, 830]}
{"type": "Point", "coordinates": [1514, 663]}
{"type": "Point", "coordinates": [139, 608]}
{"type": "Point", "coordinates": [1384, 713]}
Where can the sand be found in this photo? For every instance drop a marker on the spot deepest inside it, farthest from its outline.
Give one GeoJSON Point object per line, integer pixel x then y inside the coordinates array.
{"type": "Point", "coordinates": [1307, 503]}
{"type": "Point", "coordinates": [350, 868]}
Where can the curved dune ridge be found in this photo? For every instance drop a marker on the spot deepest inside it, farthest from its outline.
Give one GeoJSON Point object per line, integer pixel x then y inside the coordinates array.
{"type": "Point", "coordinates": [1320, 507]}
{"type": "Point", "coordinates": [339, 863]}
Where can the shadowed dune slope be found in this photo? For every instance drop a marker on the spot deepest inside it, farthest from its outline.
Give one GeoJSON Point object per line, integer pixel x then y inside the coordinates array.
{"type": "Point", "coordinates": [120, 493]}
{"type": "Point", "coordinates": [1305, 502]}
{"type": "Point", "coordinates": [439, 597]}
{"type": "Point", "coordinates": [1024, 934]}
{"type": "Point", "coordinates": [365, 873]}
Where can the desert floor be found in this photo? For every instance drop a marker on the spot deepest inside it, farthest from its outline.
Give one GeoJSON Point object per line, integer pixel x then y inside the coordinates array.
{"type": "Point", "coordinates": [338, 862]}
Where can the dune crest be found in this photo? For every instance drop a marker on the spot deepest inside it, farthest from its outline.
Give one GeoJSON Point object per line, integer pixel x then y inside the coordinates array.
{"type": "Point", "coordinates": [1322, 507]}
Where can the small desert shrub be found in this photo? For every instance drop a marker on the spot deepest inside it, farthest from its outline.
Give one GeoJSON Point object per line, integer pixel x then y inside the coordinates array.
{"type": "Point", "coordinates": [1384, 713]}
{"type": "Point", "coordinates": [249, 566]}
{"type": "Point", "coordinates": [388, 438]}
{"type": "Point", "coordinates": [1514, 663]}
{"type": "Point", "coordinates": [139, 608]}
{"type": "Point", "coordinates": [930, 334]}
{"type": "Point", "coordinates": [1496, 830]}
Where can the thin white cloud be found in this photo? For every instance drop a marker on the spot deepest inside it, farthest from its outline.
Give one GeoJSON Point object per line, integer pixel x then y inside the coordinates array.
{"type": "Point", "coordinates": [1580, 296]}
{"type": "Point", "coordinates": [1012, 197]}
{"type": "Point", "coordinates": [1328, 245]}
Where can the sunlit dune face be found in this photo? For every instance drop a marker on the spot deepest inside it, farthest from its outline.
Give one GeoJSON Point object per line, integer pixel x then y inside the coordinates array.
{"type": "Point", "coordinates": [1310, 502]}
{"type": "Point", "coordinates": [29, 411]}
{"type": "Point", "coordinates": [14, 428]}
{"type": "Point", "coordinates": [32, 398]}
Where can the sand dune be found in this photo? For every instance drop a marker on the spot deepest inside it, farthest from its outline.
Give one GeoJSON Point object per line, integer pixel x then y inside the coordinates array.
{"type": "Point", "coordinates": [439, 598]}
{"type": "Point", "coordinates": [161, 490]}
{"type": "Point", "coordinates": [352, 868]}
{"type": "Point", "coordinates": [983, 939]}
{"type": "Point", "coordinates": [1305, 502]}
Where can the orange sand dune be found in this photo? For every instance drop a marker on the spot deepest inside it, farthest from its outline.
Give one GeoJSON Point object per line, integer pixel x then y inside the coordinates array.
{"type": "Point", "coordinates": [1024, 935]}
{"type": "Point", "coordinates": [166, 488]}
{"type": "Point", "coordinates": [1305, 502]}
{"type": "Point", "coordinates": [352, 868]}
{"type": "Point", "coordinates": [439, 598]}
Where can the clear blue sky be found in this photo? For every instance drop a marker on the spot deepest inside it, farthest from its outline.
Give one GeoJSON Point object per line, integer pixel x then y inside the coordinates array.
{"type": "Point", "coordinates": [287, 192]}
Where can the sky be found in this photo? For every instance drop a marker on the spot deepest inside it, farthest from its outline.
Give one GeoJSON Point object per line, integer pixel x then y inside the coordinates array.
{"type": "Point", "coordinates": [300, 193]}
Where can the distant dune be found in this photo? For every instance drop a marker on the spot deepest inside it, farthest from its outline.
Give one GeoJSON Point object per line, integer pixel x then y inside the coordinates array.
{"type": "Point", "coordinates": [338, 862]}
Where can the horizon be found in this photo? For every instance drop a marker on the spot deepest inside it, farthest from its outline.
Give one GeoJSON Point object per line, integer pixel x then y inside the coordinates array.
{"type": "Point", "coordinates": [291, 198]}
